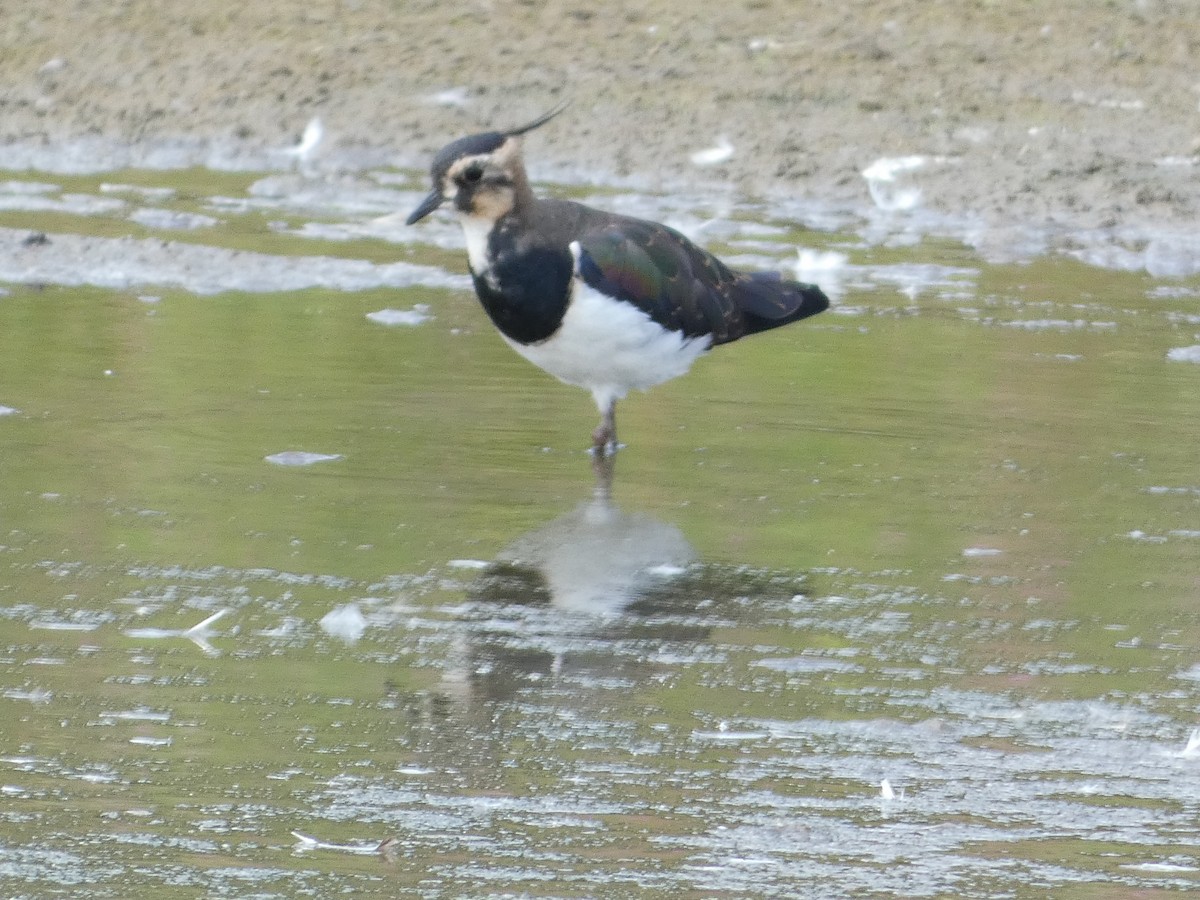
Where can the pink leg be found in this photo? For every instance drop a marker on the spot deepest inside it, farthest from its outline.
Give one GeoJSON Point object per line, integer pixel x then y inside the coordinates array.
{"type": "Point", "coordinates": [604, 438]}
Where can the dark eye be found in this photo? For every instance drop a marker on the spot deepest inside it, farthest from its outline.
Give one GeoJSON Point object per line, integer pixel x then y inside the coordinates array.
{"type": "Point", "coordinates": [472, 174]}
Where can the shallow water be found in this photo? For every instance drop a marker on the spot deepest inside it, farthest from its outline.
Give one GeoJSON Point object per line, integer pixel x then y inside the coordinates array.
{"type": "Point", "coordinates": [298, 559]}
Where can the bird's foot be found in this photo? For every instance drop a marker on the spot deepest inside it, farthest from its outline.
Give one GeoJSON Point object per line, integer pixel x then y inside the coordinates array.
{"type": "Point", "coordinates": [604, 441]}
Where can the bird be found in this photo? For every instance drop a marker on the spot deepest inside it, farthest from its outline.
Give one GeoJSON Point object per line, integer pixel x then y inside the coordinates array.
{"type": "Point", "coordinates": [602, 301]}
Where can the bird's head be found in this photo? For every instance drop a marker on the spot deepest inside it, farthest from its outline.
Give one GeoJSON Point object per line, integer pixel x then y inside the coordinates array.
{"type": "Point", "coordinates": [481, 174]}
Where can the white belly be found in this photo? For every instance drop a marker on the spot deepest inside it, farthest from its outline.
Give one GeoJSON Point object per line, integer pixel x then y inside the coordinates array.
{"type": "Point", "coordinates": [610, 347]}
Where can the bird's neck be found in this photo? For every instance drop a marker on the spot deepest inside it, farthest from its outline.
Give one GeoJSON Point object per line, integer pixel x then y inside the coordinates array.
{"type": "Point", "coordinates": [513, 217]}
{"type": "Point", "coordinates": [522, 197]}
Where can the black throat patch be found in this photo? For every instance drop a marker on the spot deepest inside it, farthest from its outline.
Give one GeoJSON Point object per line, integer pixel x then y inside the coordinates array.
{"type": "Point", "coordinates": [526, 290]}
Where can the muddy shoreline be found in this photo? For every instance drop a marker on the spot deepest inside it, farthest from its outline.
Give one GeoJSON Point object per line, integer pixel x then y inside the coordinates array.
{"type": "Point", "coordinates": [1039, 115]}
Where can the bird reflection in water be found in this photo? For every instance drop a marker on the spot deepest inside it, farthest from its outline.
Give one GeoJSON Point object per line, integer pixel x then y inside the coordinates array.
{"type": "Point", "coordinates": [595, 559]}
{"type": "Point", "coordinates": [600, 593]}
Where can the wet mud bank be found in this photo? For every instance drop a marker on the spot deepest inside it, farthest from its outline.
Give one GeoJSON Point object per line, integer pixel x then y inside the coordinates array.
{"type": "Point", "coordinates": [1021, 128]}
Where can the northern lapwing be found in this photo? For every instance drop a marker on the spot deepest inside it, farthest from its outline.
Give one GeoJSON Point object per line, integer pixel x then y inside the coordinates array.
{"type": "Point", "coordinates": [602, 301]}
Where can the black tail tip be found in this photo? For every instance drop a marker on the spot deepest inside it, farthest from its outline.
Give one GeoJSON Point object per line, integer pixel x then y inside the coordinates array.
{"type": "Point", "coordinates": [814, 300]}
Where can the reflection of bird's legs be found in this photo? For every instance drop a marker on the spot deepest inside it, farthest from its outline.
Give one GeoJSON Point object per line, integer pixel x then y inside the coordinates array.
{"type": "Point", "coordinates": [603, 465]}
{"type": "Point", "coordinates": [604, 438]}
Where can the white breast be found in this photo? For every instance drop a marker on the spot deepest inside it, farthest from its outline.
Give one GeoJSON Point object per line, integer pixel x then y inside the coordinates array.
{"type": "Point", "coordinates": [610, 347]}
{"type": "Point", "coordinates": [476, 231]}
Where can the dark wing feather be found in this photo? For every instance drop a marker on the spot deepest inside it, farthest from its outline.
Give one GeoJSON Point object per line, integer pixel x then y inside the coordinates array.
{"type": "Point", "coordinates": [686, 289]}
{"type": "Point", "coordinates": [768, 301]}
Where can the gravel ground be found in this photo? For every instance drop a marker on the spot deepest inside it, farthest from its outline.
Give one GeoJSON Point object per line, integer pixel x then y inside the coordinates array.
{"type": "Point", "coordinates": [1072, 113]}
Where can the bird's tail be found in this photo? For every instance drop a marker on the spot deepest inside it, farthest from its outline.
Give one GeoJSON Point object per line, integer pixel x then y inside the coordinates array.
{"type": "Point", "coordinates": [768, 301]}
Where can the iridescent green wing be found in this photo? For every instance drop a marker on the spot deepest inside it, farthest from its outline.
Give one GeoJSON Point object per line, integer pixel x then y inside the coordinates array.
{"type": "Point", "coordinates": [662, 273]}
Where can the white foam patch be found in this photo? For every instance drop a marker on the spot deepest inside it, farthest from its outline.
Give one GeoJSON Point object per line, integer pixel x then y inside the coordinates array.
{"type": "Point", "coordinates": [1129, 104]}
{"type": "Point", "coordinates": [806, 665]}
{"type": "Point", "coordinates": [1001, 244]}
{"type": "Point", "coordinates": [418, 315]}
{"type": "Point", "coordinates": [1162, 868]}
{"type": "Point", "coordinates": [61, 625]}
{"type": "Point", "coordinates": [439, 232]}
{"type": "Point", "coordinates": [720, 152]}
{"type": "Point", "coordinates": [1185, 354]}
{"type": "Point", "coordinates": [889, 184]}
{"type": "Point", "coordinates": [294, 192]}
{"type": "Point", "coordinates": [1059, 325]}
{"type": "Point", "coordinates": [71, 204]}
{"type": "Point", "coordinates": [1097, 252]}
{"type": "Point", "coordinates": [300, 458]}
{"type": "Point", "coordinates": [666, 570]}
{"type": "Point", "coordinates": [458, 96]}
{"type": "Point", "coordinates": [1169, 489]}
{"type": "Point", "coordinates": [826, 269]}
{"type": "Point", "coordinates": [140, 714]}
{"type": "Point", "coordinates": [145, 740]}
{"type": "Point", "coordinates": [811, 262]}
{"type": "Point", "coordinates": [1138, 535]}
{"type": "Point", "coordinates": [27, 188]}
{"type": "Point", "coordinates": [170, 220]}
{"type": "Point", "coordinates": [345, 622]}
{"type": "Point", "coordinates": [1173, 255]}
{"type": "Point", "coordinates": [8, 411]}
{"type": "Point", "coordinates": [138, 190]}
